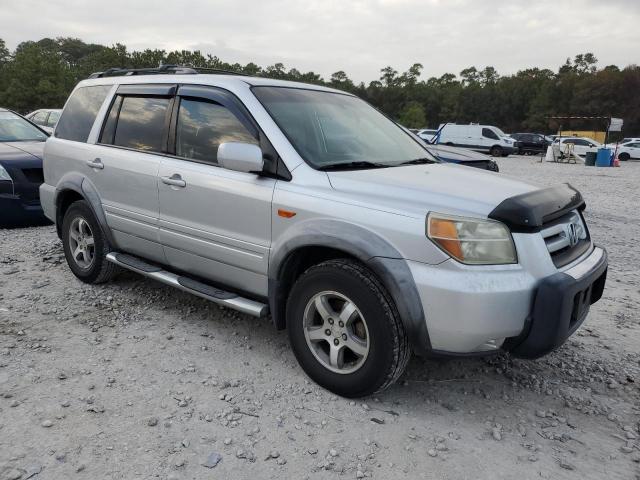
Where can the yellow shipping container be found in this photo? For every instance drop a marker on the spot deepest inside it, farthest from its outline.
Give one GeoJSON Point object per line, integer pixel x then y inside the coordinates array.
{"type": "Point", "coordinates": [592, 134]}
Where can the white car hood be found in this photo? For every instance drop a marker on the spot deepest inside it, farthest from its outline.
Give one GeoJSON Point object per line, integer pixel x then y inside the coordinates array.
{"type": "Point", "coordinates": [417, 189]}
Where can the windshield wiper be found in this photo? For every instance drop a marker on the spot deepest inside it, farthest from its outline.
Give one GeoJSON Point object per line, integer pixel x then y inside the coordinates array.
{"type": "Point", "coordinates": [418, 161]}
{"type": "Point", "coordinates": [352, 166]}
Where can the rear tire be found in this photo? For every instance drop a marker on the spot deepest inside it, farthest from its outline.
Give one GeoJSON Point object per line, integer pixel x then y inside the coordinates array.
{"type": "Point", "coordinates": [85, 245]}
{"type": "Point", "coordinates": [320, 299]}
{"type": "Point", "coordinates": [496, 151]}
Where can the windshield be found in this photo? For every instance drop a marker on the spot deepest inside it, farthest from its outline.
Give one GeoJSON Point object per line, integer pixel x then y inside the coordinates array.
{"type": "Point", "coordinates": [14, 128]}
{"type": "Point", "coordinates": [499, 132]}
{"type": "Point", "coordinates": [329, 129]}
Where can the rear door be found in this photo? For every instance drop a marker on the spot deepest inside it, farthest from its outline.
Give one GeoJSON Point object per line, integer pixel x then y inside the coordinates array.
{"type": "Point", "coordinates": [124, 165]}
{"type": "Point", "coordinates": [214, 223]}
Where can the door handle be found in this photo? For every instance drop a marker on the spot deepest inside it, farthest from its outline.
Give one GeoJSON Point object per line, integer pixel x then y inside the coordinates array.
{"type": "Point", "coordinates": [96, 163]}
{"type": "Point", "coordinates": [174, 180]}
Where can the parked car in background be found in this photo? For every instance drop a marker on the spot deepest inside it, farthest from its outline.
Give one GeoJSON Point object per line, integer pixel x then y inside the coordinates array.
{"type": "Point", "coordinates": [21, 147]}
{"type": "Point", "coordinates": [531, 143]}
{"type": "Point", "coordinates": [45, 118]}
{"type": "Point", "coordinates": [629, 139]}
{"type": "Point", "coordinates": [482, 138]}
{"type": "Point", "coordinates": [459, 156]}
{"type": "Point", "coordinates": [307, 203]}
{"type": "Point", "coordinates": [581, 145]}
{"type": "Point", "coordinates": [629, 150]}
{"type": "Point", "coordinates": [427, 134]}
{"type": "Point", "coordinates": [463, 156]}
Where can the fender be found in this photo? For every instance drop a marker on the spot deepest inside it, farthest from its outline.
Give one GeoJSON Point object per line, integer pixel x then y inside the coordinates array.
{"type": "Point", "coordinates": [85, 188]}
{"type": "Point", "coordinates": [368, 247]}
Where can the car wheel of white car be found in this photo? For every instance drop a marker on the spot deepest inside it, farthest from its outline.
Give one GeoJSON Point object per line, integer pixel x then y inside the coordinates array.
{"type": "Point", "coordinates": [624, 156]}
{"type": "Point", "coordinates": [345, 330]}
{"type": "Point", "coordinates": [496, 151]}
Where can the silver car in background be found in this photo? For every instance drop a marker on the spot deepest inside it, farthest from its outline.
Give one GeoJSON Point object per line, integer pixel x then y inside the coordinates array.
{"type": "Point", "coordinates": [306, 203]}
{"type": "Point", "coordinates": [45, 118]}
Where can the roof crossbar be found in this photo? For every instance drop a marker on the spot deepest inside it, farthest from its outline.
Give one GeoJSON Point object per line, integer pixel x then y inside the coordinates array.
{"type": "Point", "coordinates": [162, 69]}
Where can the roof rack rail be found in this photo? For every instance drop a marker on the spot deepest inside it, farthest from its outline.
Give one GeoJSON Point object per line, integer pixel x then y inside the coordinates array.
{"type": "Point", "coordinates": [174, 69]}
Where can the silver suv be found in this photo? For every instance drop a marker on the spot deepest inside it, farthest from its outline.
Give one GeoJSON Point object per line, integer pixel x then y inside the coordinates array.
{"type": "Point", "coordinates": [308, 204]}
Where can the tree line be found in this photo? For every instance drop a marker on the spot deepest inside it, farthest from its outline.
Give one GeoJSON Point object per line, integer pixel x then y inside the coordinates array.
{"type": "Point", "coordinates": [39, 74]}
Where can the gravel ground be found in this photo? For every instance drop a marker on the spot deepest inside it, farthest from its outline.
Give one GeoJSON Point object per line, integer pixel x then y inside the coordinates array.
{"type": "Point", "coordinates": [134, 380]}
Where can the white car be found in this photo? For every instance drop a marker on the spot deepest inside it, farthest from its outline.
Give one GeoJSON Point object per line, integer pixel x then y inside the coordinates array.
{"type": "Point", "coordinates": [45, 118]}
{"type": "Point", "coordinates": [581, 145]}
{"type": "Point", "coordinates": [629, 150]}
{"type": "Point", "coordinates": [427, 134]}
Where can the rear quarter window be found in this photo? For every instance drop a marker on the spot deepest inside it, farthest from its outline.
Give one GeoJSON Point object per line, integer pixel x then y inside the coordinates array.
{"type": "Point", "coordinates": [80, 112]}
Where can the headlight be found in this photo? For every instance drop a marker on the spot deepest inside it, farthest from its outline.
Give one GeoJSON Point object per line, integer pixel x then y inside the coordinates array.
{"type": "Point", "coordinates": [471, 240]}
{"type": "Point", "coordinates": [4, 175]}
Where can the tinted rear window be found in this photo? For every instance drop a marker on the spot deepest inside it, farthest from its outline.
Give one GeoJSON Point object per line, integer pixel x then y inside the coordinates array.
{"type": "Point", "coordinates": [141, 123]}
{"type": "Point", "coordinates": [80, 113]}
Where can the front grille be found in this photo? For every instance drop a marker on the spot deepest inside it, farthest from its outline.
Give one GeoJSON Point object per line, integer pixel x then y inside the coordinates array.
{"type": "Point", "coordinates": [566, 238]}
{"type": "Point", "coordinates": [34, 175]}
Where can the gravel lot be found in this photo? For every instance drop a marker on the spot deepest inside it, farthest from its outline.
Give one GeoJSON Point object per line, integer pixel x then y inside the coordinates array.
{"type": "Point", "coordinates": [135, 380]}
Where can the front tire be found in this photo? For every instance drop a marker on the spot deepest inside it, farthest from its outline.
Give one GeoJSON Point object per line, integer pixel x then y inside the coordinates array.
{"type": "Point", "coordinates": [624, 157]}
{"type": "Point", "coordinates": [496, 151]}
{"type": "Point", "coordinates": [85, 245]}
{"type": "Point", "coordinates": [345, 330]}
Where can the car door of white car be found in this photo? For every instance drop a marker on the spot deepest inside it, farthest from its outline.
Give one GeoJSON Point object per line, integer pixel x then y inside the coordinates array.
{"type": "Point", "coordinates": [214, 223]}
{"type": "Point", "coordinates": [125, 162]}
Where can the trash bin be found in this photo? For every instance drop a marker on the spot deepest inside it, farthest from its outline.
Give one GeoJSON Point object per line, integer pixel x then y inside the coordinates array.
{"type": "Point", "coordinates": [603, 157]}
{"type": "Point", "coordinates": [590, 159]}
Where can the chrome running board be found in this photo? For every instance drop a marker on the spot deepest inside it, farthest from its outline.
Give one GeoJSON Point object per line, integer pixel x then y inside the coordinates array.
{"type": "Point", "coordinates": [186, 284]}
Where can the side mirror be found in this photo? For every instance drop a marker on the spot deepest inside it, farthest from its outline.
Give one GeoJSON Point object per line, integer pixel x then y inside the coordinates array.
{"type": "Point", "coordinates": [241, 157]}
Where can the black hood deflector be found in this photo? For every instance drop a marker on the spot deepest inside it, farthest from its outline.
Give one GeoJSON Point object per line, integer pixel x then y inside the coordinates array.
{"type": "Point", "coordinates": [530, 211]}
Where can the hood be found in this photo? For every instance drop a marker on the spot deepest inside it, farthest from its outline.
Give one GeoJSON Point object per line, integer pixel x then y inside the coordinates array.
{"type": "Point", "coordinates": [455, 154]}
{"type": "Point", "coordinates": [21, 151]}
{"type": "Point", "coordinates": [417, 189]}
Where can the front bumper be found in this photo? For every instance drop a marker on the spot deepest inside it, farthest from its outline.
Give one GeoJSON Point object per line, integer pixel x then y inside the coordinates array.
{"type": "Point", "coordinates": [15, 211]}
{"type": "Point", "coordinates": [470, 310]}
{"type": "Point", "coordinates": [561, 305]}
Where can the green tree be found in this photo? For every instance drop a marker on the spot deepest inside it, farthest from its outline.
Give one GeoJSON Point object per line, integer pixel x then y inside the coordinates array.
{"type": "Point", "coordinates": [412, 116]}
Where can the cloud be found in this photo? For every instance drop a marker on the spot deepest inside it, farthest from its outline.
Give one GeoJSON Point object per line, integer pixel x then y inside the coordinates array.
{"type": "Point", "coordinates": [357, 36]}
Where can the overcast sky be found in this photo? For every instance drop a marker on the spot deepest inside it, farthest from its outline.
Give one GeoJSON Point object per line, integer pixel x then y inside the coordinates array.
{"type": "Point", "coordinates": [359, 36]}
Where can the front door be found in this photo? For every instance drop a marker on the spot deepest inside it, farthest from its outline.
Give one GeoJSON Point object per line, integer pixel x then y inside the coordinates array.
{"type": "Point", "coordinates": [214, 223]}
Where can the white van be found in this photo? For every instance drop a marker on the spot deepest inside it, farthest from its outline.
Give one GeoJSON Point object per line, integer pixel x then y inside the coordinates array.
{"type": "Point", "coordinates": [483, 138]}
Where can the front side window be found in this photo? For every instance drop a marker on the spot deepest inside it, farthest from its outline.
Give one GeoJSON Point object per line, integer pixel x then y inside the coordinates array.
{"type": "Point", "coordinates": [140, 124]}
{"type": "Point", "coordinates": [14, 128]}
{"type": "Point", "coordinates": [203, 126]}
{"type": "Point", "coordinates": [488, 133]}
{"type": "Point", "coordinates": [331, 129]}
{"type": "Point", "coordinates": [80, 112]}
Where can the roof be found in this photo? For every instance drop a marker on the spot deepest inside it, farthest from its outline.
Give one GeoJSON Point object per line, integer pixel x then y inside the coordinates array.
{"type": "Point", "coordinates": [218, 80]}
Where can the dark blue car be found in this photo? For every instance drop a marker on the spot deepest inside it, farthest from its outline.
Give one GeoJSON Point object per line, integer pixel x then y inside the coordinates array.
{"type": "Point", "coordinates": [21, 146]}
{"type": "Point", "coordinates": [462, 156]}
